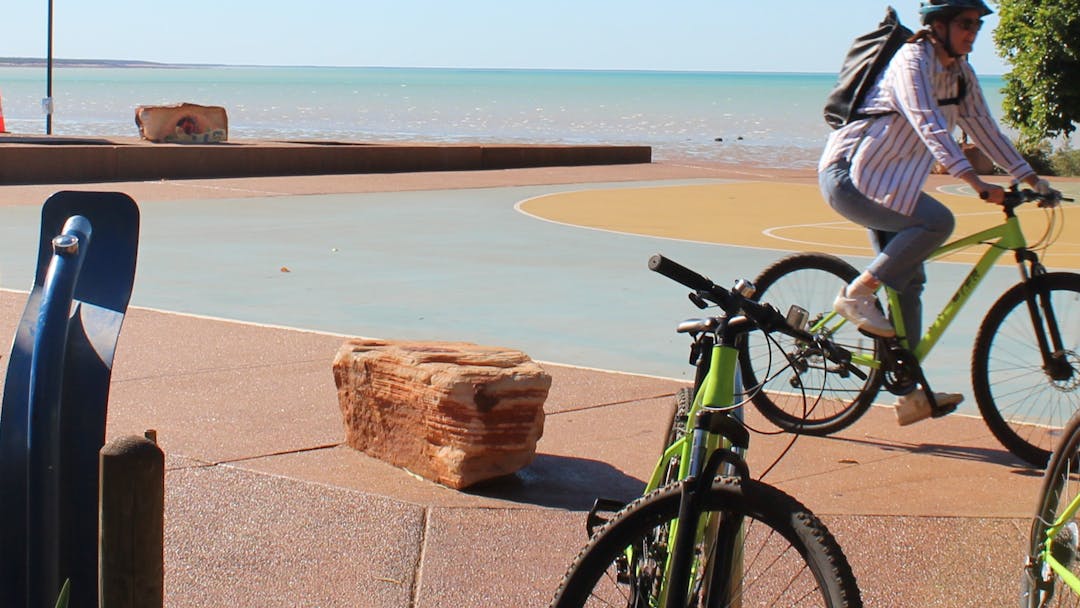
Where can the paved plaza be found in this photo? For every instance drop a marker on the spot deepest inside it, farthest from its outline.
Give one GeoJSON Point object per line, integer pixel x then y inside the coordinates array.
{"type": "Point", "coordinates": [247, 287]}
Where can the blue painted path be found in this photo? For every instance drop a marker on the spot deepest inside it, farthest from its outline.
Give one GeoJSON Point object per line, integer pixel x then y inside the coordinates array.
{"type": "Point", "coordinates": [444, 265]}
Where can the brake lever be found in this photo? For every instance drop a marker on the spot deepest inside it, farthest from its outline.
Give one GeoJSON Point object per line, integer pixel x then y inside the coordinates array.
{"type": "Point", "coordinates": [1053, 201]}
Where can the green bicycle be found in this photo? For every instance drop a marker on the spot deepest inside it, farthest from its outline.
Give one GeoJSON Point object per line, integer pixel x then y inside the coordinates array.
{"type": "Point", "coordinates": [705, 533]}
{"type": "Point", "coordinates": [1052, 575]}
{"type": "Point", "coordinates": [1025, 364]}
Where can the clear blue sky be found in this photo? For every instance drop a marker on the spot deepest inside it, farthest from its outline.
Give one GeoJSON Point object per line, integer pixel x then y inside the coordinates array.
{"type": "Point", "coordinates": [714, 35]}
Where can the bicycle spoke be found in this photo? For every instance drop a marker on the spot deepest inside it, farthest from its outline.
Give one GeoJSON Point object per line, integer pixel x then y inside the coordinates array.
{"type": "Point", "coordinates": [770, 567]}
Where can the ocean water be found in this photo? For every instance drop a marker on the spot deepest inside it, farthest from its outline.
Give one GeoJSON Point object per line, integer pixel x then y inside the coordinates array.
{"type": "Point", "coordinates": [766, 119]}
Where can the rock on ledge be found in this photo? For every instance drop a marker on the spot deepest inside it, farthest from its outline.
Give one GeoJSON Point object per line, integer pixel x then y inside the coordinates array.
{"type": "Point", "coordinates": [455, 413]}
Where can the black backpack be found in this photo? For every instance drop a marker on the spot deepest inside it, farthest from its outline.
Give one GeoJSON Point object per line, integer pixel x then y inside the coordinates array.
{"type": "Point", "coordinates": [868, 56]}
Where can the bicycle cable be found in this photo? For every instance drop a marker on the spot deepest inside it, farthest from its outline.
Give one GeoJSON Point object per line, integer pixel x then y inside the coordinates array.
{"type": "Point", "coordinates": [749, 397]}
{"type": "Point", "coordinates": [1055, 226]}
{"type": "Point", "coordinates": [772, 341]}
{"type": "Point", "coordinates": [802, 389]}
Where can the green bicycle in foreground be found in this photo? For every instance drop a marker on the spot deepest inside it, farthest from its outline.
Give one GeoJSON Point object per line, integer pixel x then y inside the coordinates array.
{"type": "Point", "coordinates": [1052, 574]}
{"type": "Point", "coordinates": [705, 533]}
{"type": "Point", "coordinates": [1025, 361]}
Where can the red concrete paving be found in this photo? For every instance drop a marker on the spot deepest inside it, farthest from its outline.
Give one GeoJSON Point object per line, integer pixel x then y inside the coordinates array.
{"type": "Point", "coordinates": [265, 507]}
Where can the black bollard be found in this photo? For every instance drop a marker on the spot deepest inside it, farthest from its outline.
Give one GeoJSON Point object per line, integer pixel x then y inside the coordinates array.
{"type": "Point", "coordinates": [132, 506]}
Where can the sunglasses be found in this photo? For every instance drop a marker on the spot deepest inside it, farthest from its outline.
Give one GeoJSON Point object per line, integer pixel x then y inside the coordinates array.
{"type": "Point", "coordinates": [969, 25]}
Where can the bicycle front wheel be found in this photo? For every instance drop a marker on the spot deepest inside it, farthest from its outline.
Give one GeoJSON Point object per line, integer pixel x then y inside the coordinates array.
{"type": "Point", "coordinates": [1024, 397]}
{"type": "Point", "coordinates": [680, 414]}
{"type": "Point", "coordinates": [803, 392]}
{"type": "Point", "coordinates": [1040, 585]}
{"type": "Point", "coordinates": [788, 556]}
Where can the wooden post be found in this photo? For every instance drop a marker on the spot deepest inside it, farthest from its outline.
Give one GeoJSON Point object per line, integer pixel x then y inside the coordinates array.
{"type": "Point", "coordinates": [132, 494]}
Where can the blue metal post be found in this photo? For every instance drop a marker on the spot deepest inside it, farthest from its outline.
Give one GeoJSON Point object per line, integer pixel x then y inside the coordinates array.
{"type": "Point", "coordinates": [52, 420]}
{"type": "Point", "coordinates": [44, 443]}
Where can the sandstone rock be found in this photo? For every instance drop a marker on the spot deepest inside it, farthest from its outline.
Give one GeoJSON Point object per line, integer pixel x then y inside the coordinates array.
{"type": "Point", "coordinates": [455, 413]}
{"type": "Point", "coordinates": [182, 123]}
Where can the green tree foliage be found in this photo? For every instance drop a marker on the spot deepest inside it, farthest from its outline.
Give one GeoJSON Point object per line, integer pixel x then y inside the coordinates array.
{"type": "Point", "coordinates": [1040, 39]}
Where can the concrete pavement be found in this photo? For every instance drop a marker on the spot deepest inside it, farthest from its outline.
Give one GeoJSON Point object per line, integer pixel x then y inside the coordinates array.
{"type": "Point", "coordinates": [265, 507]}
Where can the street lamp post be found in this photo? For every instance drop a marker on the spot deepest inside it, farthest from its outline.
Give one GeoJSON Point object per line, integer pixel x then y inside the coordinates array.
{"type": "Point", "coordinates": [47, 103]}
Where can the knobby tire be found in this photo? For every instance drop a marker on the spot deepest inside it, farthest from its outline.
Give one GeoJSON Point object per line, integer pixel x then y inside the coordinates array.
{"type": "Point", "coordinates": [789, 557]}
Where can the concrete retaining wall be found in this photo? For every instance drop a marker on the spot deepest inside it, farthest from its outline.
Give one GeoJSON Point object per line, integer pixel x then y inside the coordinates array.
{"type": "Point", "coordinates": [42, 160]}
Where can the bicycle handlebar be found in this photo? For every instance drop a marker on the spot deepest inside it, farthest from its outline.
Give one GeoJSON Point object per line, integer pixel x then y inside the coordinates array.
{"type": "Point", "coordinates": [1015, 197]}
{"type": "Point", "coordinates": [765, 316]}
{"type": "Point", "coordinates": [679, 273]}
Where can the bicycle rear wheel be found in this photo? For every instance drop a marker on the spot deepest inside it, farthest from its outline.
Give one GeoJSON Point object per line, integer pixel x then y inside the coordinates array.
{"type": "Point", "coordinates": [1023, 399]}
{"type": "Point", "coordinates": [788, 556]}
{"type": "Point", "coordinates": [808, 394]}
{"type": "Point", "coordinates": [1061, 485]}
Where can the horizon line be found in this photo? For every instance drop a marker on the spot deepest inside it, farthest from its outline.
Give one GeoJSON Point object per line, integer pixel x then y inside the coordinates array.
{"type": "Point", "coordinates": [136, 63]}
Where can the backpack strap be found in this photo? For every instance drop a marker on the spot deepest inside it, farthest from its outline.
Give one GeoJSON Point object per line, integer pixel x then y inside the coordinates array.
{"type": "Point", "coordinates": [961, 93]}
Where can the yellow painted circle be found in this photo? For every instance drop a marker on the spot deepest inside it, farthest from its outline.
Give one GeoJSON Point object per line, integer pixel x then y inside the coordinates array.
{"type": "Point", "coordinates": [784, 216]}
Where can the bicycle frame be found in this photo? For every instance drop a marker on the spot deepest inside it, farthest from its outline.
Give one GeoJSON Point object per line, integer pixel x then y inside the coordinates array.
{"type": "Point", "coordinates": [1006, 236]}
{"type": "Point", "coordinates": [1001, 238]}
{"type": "Point", "coordinates": [697, 452]}
{"type": "Point", "coordinates": [716, 390]}
{"type": "Point", "coordinates": [1061, 570]}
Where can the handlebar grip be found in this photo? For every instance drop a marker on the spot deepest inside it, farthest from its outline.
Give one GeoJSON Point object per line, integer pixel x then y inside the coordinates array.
{"type": "Point", "coordinates": [679, 273]}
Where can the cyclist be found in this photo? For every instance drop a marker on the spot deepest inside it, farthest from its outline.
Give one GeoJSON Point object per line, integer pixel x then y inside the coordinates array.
{"type": "Point", "coordinates": [873, 170]}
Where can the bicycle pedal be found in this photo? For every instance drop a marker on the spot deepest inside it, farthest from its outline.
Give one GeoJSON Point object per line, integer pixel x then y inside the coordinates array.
{"type": "Point", "coordinates": [940, 411]}
{"type": "Point", "coordinates": [595, 520]}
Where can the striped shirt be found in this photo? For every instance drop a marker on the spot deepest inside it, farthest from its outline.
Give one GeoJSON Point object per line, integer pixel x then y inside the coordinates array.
{"type": "Point", "coordinates": [892, 155]}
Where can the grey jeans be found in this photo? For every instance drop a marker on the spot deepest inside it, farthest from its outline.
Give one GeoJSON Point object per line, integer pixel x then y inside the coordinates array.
{"type": "Point", "coordinates": [902, 242]}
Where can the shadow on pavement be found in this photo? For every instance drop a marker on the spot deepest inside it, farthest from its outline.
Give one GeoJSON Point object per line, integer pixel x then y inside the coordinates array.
{"type": "Point", "coordinates": [563, 482]}
{"type": "Point", "coordinates": [999, 456]}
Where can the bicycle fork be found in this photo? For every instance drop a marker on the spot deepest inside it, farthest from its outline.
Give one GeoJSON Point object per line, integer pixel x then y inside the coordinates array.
{"type": "Point", "coordinates": [722, 563]}
{"type": "Point", "coordinates": [1047, 331]}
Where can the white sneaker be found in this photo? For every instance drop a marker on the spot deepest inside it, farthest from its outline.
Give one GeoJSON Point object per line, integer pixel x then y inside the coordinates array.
{"type": "Point", "coordinates": [914, 406]}
{"type": "Point", "coordinates": [863, 312]}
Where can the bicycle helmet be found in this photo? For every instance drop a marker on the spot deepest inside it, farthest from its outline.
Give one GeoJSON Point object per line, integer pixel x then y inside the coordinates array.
{"type": "Point", "coordinates": [931, 10]}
